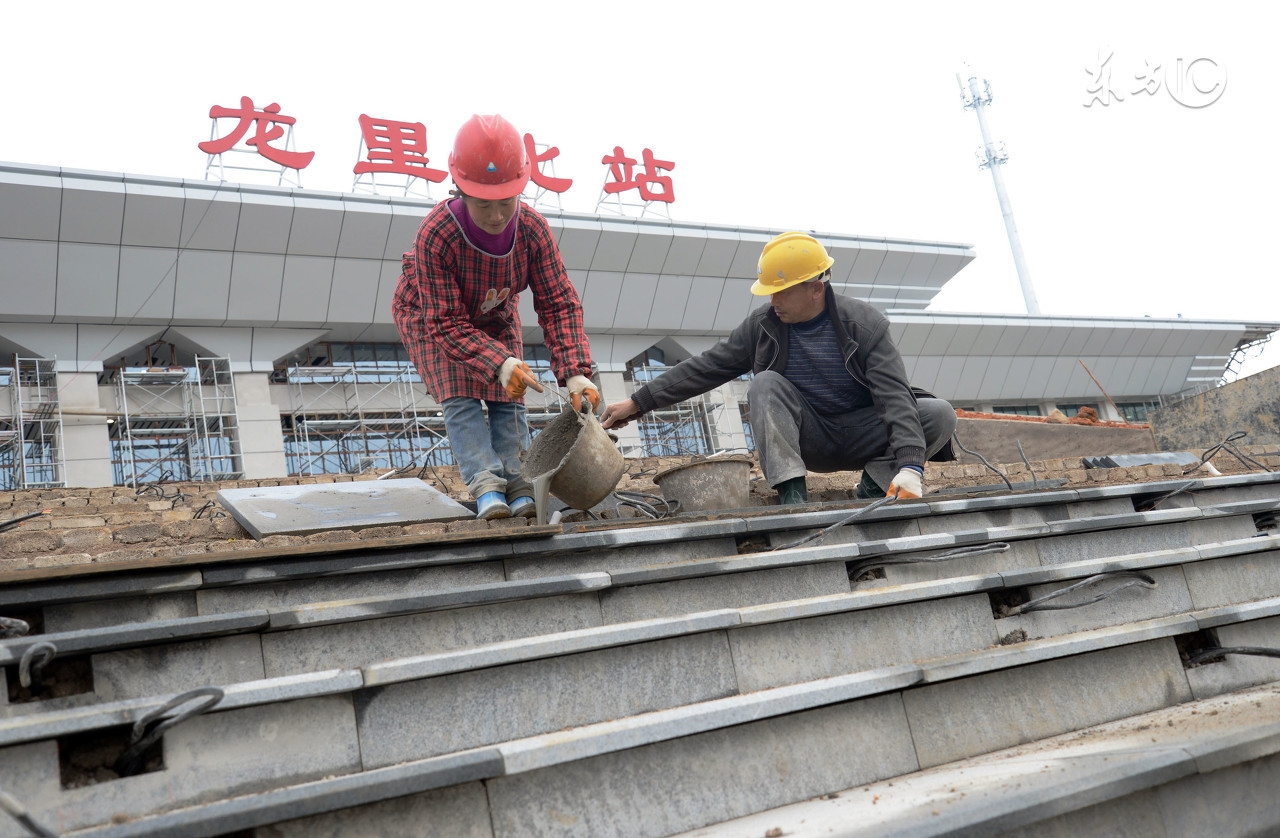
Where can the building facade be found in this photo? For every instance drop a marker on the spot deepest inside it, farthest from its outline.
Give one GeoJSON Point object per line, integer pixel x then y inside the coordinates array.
{"type": "Point", "coordinates": [161, 329]}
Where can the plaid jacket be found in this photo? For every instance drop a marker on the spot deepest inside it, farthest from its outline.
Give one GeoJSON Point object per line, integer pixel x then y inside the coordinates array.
{"type": "Point", "coordinates": [457, 307]}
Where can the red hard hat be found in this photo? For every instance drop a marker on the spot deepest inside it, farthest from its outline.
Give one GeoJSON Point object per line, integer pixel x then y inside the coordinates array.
{"type": "Point", "coordinates": [488, 160]}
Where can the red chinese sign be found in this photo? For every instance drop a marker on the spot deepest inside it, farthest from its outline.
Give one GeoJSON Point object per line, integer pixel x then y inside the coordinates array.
{"type": "Point", "coordinates": [268, 122]}
{"type": "Point", "coordinates": [400, 148]}
{"type": "Point", "coordinates": [619, 161]}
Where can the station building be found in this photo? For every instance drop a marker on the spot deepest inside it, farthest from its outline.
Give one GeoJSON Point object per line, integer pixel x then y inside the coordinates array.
{"type": "Point", "coordinates": [162, 329]}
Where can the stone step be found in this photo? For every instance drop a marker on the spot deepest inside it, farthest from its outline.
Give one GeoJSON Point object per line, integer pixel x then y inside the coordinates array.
{"type": "Point", "coordinates": [1060, 685]}
{"type": "Point", "coordinates": [691, 766]}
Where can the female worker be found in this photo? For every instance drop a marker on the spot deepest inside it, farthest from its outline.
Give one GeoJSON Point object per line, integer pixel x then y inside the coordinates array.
{"type": "Point", "coordinates": [457, 310]}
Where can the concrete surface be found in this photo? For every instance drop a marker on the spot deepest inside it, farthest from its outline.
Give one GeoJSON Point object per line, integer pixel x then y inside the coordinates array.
{"type": "Point", "coordinates": [1250, 404]}
{"type": "Point", "coordinates": [996, 439]}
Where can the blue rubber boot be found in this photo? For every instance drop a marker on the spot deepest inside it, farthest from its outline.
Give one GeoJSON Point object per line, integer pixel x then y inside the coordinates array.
{"type": "Point", "coordinates": [523, 507]}
{"type": "Point", "coordinates": [492, 505]}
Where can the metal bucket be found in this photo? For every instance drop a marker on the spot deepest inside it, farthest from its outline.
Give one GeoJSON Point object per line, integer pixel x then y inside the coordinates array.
{"type": "Point", "coordinates": [574, 459]}
{"type": "Point", "coordinates": [707, 485]}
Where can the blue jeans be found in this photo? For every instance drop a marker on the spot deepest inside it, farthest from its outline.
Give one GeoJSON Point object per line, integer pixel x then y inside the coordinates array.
{"type": "Point", "coordinates": [488, 451]}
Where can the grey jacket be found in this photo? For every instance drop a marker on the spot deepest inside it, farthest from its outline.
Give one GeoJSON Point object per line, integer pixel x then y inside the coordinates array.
{"type": "Point", "coordinates": [760, 343]}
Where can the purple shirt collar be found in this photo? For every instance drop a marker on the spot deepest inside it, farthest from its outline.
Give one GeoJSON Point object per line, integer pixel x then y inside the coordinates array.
{"type": "Point", "coordinates": [494, 245]}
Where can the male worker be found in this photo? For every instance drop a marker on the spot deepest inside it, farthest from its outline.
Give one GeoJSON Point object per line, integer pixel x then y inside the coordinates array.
{"type": "Point", "coordinates": [830, 392]}
{"type": "Point", "coordinates": [457, 310]}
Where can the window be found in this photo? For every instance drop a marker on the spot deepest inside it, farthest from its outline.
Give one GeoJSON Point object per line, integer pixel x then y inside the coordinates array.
{"type": "Point", "coordinates": [1138, 411]}
{"type": "Point", "coordinates": [1070, 410]}
{"type": "Point", "coordinates": [646, 366]}
{"type": "Point", "coordinates": [1017, 409]}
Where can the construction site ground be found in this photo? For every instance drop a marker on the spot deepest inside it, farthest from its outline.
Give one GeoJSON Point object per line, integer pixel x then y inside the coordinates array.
{"type": "Point", "coordinates": [182, 523]}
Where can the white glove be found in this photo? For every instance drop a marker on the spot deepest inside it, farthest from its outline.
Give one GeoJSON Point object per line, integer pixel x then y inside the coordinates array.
{"type": "Point", "coordinates": [508, 366]}
{"type": "Point", "coordinates": [908, 483]}
{"type": "Point", "coordinates": [580, 385]}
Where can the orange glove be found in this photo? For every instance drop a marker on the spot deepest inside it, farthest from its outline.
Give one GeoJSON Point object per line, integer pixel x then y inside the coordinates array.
{"type": "Point", "coordinates": [579, 386]}
{"type": "Point", "coordinates": [516, 377]}
{"type": "Point", "coordinates": [908, 484]}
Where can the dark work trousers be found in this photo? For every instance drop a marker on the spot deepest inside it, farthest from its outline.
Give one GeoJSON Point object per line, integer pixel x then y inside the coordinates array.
{"type": "Point", "coordinates": [791, 438]}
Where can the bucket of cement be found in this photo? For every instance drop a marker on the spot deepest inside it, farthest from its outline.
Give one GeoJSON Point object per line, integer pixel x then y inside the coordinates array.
{"type": "Point", "coordinates": [574, 459]}
{"type": "Point", "coordinates": [707, 485]}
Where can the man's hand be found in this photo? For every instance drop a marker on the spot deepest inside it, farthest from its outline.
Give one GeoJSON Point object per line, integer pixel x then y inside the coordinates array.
{"type": "Point", "coordinates": [580, 386]}
{"type": "Point", "coordinates": [908, 484]}
{"type": "Point", "coordinates": [618, 414]}
{"type": "Point", "coordinates": [516, 377]}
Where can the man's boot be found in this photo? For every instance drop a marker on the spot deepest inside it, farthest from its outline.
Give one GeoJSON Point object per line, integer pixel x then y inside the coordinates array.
{"type": "Point", "coordinates": [791, 492]}
{"type": "Point", "coordinates": [868, 489]}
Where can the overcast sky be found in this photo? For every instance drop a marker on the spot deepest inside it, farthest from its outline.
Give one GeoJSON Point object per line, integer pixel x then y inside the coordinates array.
{"type": "Point", "coordinates": [835, 117]}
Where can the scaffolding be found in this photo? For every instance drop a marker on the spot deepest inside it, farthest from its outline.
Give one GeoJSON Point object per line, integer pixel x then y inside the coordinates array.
{"type": "Point", "coordinates": [176, 423]}
{"type": "Point", "coordinates": [349, 418]}
{"type": "Point", "coordinates": [31, 451]}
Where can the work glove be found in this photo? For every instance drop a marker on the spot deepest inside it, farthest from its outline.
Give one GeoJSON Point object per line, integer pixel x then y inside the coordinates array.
{"type": "Point", "coordinates": [908, 484]}
{"type": "Point", "coordinates": [579, 386]}
{"type": "Point", "coordinates": [516, 377]}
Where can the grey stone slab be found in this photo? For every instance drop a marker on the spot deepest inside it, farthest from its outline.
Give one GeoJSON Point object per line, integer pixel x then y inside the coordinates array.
{"type": "Point", "coordinates": [1015, 516]}
{"type": "Point", "coordinates": [629, 537]}
{"type": "Point", "coordinates": [690, 596]}
{"type": "Point", "coordinates": [177, 667]}
{"type": "Point", "coordinates": [114, 637]}
{"type": "Point", "coordinates": [1236, 546]}
{"type": "Point", "coordinates": [345, 797]}
{"type": "Point", "coordinates": [1105, 544]}
{"type": "Point", "coordinates": [1236, 672]}
{"type": "Point", "coordinates": [99, 587]}
{"type": "Point", "coordinates": [617, 559]}
{"type": "Point", "coordinates": [1088, 567]}
{"type": "Point", "coordinates": [1042, 700]}
{"type": "Point", "coordinates": [702, 779]}
{"type": "Point", "coordinates": [419, 719]}
{"type": "Point", "coordinates": [373, 607]}
{"type": "Point", "coordinates": [1052, 648]}
{"type": "Point", "coordinates": [1234, 802]}
{"type": "Point", "coordinates": [1017, 533]}
{"type": "Point", "coordinates": [1210, 496]}
{"type": "Point", "coordinates": [1127, 605]}
{"type": "Point", "coordinates": [1213, 530]}
{"type": "Point", "coordinates": [49, 725]}
{"type": "Point", "coordinates": [817, 517]}
{"type": "Point", "coordinates": [533, 648]}
{"type": "Point", "coordinates": [1227, 614]}
{"type": "Point", "coordinates": [299, 510]}
{"type": "Point", "coordinates": [458, 812]}
{"type": "Point", "coordinates": [795, 557]}
{"type": "Point", "coordinates": [869, 598]}
{"type": "Point", "coordinates": [1125, 521]}
{"type": "Point", "coordinates": [1232, 580]}
{"type": "Point", "coordinates": [220, 755]}
{"type": "Point", "coordinates": [1101, 507]}
{"type": "Point", "coordinates": [77, 616]}
{"type": "Point", "coordinates": [795, 651]}
{"type": "Point", "coordinates": [985, 797]}
{"type": "Point", "coordinates": [347, 564]}
{"type": "Point", "coordinates": [979, 504]}
{"type": "Point", "coordinates": [1019, 554]}
{"type": "Point", "coordinates": [855, 533]}
{"type": "Point", "coordinates": [622, 734]}
{"type": "Point", "coordinates": [346, 645]}
{"type": "Point", "coordinates": [29, 773]}
{"type": "Point", "coordinates": [384, 583]}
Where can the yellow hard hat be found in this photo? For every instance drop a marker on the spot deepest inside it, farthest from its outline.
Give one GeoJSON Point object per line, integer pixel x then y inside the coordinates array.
{"type": "Point", "coordinates": [790, 259]}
